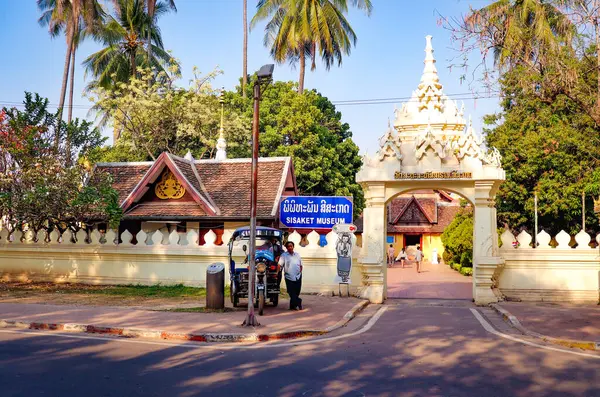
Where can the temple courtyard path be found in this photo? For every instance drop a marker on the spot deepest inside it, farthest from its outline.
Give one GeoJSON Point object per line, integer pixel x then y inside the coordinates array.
{"type": "Point", "coordinates": [434, 282]}
{"type": "Point", "coordinates": [401, 350]}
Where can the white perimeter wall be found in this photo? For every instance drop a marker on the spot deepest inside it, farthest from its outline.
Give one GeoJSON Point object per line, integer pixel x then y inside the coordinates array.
{"type": "Point", "coordinates": [159, 258]}
{"type": "Point", "coordinates": [560, 274]}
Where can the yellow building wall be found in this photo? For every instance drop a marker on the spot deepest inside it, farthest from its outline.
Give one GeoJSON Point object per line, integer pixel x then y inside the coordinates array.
{"type": "Point", "coordinates": [430, 242]}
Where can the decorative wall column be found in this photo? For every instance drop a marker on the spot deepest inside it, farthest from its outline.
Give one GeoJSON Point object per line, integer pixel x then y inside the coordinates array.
{"type": "Point", "coordinates": [372, 256]}
{"type": "Point", "coordinates": [487, 263]}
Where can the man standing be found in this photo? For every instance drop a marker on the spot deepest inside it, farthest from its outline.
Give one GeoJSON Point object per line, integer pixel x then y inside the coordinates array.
{"type": "Point", "coordinates": [391, 254]}
{"type": "Point", "coordinates": [292, 266]}
{"type": "Point", "coordinates": [419, 258]}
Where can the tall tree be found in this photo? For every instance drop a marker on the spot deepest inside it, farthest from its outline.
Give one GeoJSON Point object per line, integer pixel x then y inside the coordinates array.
{"type": "Point", "coordinates": [151, 9]}
{"type": "Point", "coordinates": [123, 50]}
{"type": "Point", "coordinates": [298, 29]}
{"type": "Point", "coordinates": [552, 148]}
{"type": "Point", "coordinates": [68, 17]}
{"type": "Point", "coordinates": [245, 50]}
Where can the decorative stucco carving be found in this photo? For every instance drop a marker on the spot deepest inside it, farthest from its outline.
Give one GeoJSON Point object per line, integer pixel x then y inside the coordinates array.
{"type": "Point", "coordinates": [469, 144]}
{"type": "Point", "coordinates": [390, 145]}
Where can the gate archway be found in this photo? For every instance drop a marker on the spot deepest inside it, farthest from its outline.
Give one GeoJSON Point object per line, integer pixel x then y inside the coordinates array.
{"type": "Point", "coordinates": [431, 147]}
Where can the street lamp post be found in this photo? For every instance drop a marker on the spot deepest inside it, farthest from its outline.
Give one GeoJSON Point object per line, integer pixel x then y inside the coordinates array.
{"type": "Point", "coordinates": [264, 74]}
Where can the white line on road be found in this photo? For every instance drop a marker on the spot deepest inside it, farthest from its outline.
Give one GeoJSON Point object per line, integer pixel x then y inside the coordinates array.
{"type": "Point", "coordinates": [214, 346]}
{"type": "Point", "coordinates": [488, 327]}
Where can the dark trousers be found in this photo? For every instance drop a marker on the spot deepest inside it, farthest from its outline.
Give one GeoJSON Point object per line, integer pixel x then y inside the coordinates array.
{"type": "Point", "coordinates": [293, 289]}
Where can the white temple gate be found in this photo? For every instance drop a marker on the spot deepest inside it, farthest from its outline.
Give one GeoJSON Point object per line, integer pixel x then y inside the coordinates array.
{"type": "Point", "coordinates": [431, 147]}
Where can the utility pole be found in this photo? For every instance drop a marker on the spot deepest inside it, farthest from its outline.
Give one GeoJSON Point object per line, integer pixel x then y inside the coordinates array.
{"type": "Point", "coordinates": [535, 205]}
{"type": "Point", "coordinates": [264, 74]}
{"type": "Point", "coordinates": [583, 211]}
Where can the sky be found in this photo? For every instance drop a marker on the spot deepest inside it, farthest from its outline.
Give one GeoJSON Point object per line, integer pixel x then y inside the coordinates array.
{"type": "Point", "coordinates": [386, 63]}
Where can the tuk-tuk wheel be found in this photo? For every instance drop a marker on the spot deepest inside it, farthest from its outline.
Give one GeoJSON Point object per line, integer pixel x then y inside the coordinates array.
{"type": "Point", "coordinates": [261, 302]}
{"type": "Point", "coordinates": [235, 300]}
{"type": "Point", "coordinates": [275, 300]}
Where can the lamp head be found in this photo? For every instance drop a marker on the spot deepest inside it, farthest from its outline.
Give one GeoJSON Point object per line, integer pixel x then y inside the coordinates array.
{"type": "Point", "coordinates": [265, 72]}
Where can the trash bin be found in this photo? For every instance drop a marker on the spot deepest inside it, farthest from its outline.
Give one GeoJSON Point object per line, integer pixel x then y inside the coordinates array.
{"type": "Point", "coordinates": [215, 286]}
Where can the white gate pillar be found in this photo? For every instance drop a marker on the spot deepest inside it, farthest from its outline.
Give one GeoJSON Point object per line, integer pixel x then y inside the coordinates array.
{"type": "Point", "coordinates": [372, 256]}
{"type": "Point", "coordinates": [487, 263]}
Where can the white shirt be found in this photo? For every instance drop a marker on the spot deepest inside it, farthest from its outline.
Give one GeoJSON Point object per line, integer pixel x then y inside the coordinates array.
{"type": "Point", "coordinates": [292, 265]}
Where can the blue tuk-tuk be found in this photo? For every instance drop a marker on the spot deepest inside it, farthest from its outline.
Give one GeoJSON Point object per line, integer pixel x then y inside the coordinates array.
{"type": "Point", "coordinates": [268, 271]}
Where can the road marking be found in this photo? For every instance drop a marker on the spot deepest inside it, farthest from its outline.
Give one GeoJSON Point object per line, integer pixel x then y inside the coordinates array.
{"type": "Point", "coordinates": [213, 346]}
{"type": "Point", "coordinates": [488, 327]}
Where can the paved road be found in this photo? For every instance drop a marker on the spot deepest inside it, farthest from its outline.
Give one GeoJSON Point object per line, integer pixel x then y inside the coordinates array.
{"type": "Point", "coordinates": [412, 350]}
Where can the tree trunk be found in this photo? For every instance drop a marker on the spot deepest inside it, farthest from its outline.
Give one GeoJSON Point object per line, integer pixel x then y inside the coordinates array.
{"type": "Point", "coordinates": [63, 90]}
{"type": "Point", "coordinates": [302, 71]}
{"type": "Point", "coordinates": [245, 60]}
{"type": "Point", "coordinates": [70, 114]}
{"type": "Point", "coordinates": [133, 65]}
{"type": "Point", "coordinates": [597, 58]}
{"type": "Point", "coordinates": [150, 44]}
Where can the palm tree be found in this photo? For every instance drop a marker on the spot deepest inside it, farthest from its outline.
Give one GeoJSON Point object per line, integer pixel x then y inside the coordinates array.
{"type": "Point", "coordinates": [151, 8]}
{"type": "Point", "coordinates": [521, 31]}
{"type": "Point", "coordinates": [123, 50]}
{"type": "Point", "coordinates": [70, 17]}
{"type": "Point", "coordinates": [298, 29]}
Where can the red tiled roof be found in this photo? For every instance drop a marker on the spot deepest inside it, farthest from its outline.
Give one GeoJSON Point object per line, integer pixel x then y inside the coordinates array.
{"type": "Point", "coordinates": [125, 177]}
{"type": "Point", "coordinates": [172, 208]}
{"type": "Point", "coordinates": [228, 183]}
{"type": "Point", "coordinates": [224, 184]}
{"type": "Point", "coordinates": [441, 214]}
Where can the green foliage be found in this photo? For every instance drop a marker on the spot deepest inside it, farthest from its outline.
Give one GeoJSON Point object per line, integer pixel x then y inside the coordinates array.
{"type": "Point", "coordinates": [123, 49]}
{"type": "Point", "coordinates": [456, 266]}
{"type": "Point", "coordinates": [153, 115]}
{"type": "Point", "coordinates": [304, 29]}
{"type": "Point", "coordinates": [466, 271]}
{"type": "Point", "coordinates": [44, 188]}
{"type": "Point", "coordinates": [548, 147]}
{"type": "Point", "coordinates": [458, 239]}
{"type": "Point", "coordinates": [325, 157]}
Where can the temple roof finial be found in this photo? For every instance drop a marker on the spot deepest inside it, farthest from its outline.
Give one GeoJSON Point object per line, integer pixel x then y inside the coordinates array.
{"type": "Point", "coordinates": [430, 74]}
{"type": "Point", "coordinates": [221, 142]}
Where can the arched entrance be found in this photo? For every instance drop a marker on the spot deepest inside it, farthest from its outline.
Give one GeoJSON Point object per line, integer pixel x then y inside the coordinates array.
{"type": "Point", "coordinates": [431, 147]}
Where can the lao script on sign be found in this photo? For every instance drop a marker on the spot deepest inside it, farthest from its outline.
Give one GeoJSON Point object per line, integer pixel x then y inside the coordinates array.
{"type": "Point", "coordinates": [433, 175]}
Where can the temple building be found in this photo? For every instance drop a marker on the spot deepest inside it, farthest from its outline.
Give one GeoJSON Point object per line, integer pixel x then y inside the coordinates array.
{"type": "Point", "coordinates": [183, 194]}
{"type": "Point", "coordinates": [419, 218]}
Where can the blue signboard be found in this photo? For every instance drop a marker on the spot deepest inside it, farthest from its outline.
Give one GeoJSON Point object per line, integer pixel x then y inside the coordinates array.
{"type": "Point", "coordinates": [306, 212]}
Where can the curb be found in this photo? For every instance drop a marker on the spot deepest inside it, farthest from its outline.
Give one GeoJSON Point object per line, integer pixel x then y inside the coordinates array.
{"type": "Point", "coordinates": [514, 321]}
{"type": "Point", "coordinates": [202, 337]}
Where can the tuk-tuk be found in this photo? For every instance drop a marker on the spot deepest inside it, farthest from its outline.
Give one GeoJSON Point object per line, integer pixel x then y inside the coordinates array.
{"type": "Point", "coordinates": [268, 271]}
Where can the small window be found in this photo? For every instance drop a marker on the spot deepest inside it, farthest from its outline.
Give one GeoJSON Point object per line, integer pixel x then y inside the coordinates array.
{"type": "Point", "coordinates": [390, 239]}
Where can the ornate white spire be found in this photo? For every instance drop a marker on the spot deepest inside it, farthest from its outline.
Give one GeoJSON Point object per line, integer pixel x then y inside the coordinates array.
{"type": "Point", "coordinates": [221, 142]}
{"type": "Point", "coordinates": [428, 103]}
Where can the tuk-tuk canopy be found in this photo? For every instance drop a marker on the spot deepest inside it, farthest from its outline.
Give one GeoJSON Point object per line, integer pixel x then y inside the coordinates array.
{"type": "Point", "coordinates": [261, 231]}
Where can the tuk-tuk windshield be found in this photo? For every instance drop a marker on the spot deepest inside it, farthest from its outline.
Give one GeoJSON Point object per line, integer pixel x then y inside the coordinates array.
{"type": "Point", "coordinates": [262, 243]}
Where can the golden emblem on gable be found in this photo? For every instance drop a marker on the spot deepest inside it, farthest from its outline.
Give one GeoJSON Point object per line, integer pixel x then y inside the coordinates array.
{"type": "Point", "coordinates": [169, 187]}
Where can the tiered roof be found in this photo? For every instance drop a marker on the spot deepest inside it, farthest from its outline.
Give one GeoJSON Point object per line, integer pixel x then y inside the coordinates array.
{"type": "Point", "coordinates": [213, 188]}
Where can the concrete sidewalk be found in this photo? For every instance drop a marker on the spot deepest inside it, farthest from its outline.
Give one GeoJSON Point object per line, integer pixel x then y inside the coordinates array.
{"type": "Point", "coordinates": [434, 282]}
{"type": "Point", "coordinates": [563, 324]}
{"type": "Point", "coordinates": [320, 315]}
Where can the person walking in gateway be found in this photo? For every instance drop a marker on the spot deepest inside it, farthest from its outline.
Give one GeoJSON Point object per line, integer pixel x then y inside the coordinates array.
{"type": "Point", "coordinates": [402, 257]}
{"type": "Point", "coordinates": [292, 267]}
{"type": "Point", "coordinates": [419, 258]}
{"type": "Point", "coordinates": [391, 255]}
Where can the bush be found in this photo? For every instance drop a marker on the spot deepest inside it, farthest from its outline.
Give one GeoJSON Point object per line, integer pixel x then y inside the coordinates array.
{"type": "Point", "coordinates": [456, 266]}
{"type": "Point", "coordinates": [458, 238]}
{"type": "Point", "coordinates": [466, 271]}
{"type": "Point", "coordinates": [466, 259]}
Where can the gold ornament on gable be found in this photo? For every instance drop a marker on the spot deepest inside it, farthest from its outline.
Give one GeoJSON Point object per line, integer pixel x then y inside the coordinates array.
{"type": "Point", "coordinates": [169, 187]}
